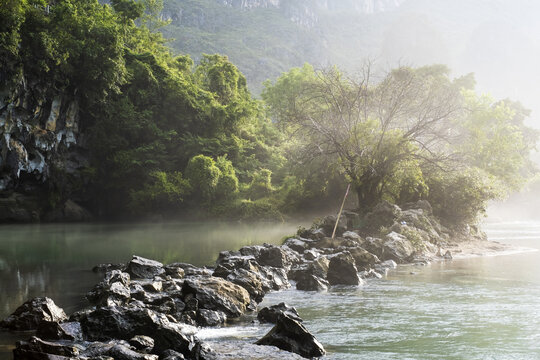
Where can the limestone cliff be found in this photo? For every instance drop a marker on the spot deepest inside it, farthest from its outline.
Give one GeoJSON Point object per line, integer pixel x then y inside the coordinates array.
{"type": "Point", "coordinates": [39, 150]}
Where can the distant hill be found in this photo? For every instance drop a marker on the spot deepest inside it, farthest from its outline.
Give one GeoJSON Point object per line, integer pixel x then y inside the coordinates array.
{"type": "Point", "coordinates": [498, 40]}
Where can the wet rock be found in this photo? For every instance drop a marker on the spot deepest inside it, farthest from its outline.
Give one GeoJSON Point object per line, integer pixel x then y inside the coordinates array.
{"type": "Point", "coordinates": [31, 313]}
{"type": "Point", "coordinates": [448, 255]}
{"type": "Point", "coordinates": [351, 235]}
{"type": "Point", "coordinates": [297, 245]}
{"type": "Point", "coordinates": [104, 268]}
{"type": "Point", "coordinates": [190, 270]}
{"type": "Point", "coordinates": [207, 317]}
{"type": "Point", "coordinates": [329, 222]}
{"type": "Point", "coordinates": [310, 282]}
{"type": "Point", "coordinates": [311, 254]}
{"type": "Point", "coordinates": [113, 290]}
{"type": "Point", "coordinates": [50, 330]}
{"type": "Point", "coordinates": [171, 355]}
{"type": "Point", "coordinates": [236, 350]}
{"type": "Point", "coordinates": [384, 266]}
{"type": "Point", "coordinates": [290, 335]}
{"type": "Point", "coordinates": [274, 256]}
{"type": "Point", "coordinates": [117, 350]}
{"type": "Point", "coordinates": [363, 259]}
{"type": "Point", "coordinates": [35, 348]}
{"type": "Point", "coordinates": [271, 314]}
{"type": "Point", "coordinates": [176, 272]}
{"type": "Point", "coordinates": [252, 281]}
{"type": "Point", "coordinates": [124, 323]}
{"type": "Point", "coordinates": [370, 274]}
{"type": "Point", "coordinates": [383, 214]}
{"type": "Point", "coordinates": [142, 343]}
{"type": "Point", "coordinates": [142, 268]}
{"type": "Point", "coordinates": [214, 293]}
{"type": "Point", "coordinates": [342, 270]}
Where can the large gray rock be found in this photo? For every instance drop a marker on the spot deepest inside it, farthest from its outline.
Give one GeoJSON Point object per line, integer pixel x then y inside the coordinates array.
{"type": "Point", "coordinates": [113, 290]}
{"type": "Point", "coordinates": [214, 293]}
{"type": "Point", "coordinates": [383, 214]}
{"type": "Point", "coordinates": [290, 335]}
{"type": "Point", "coordinates": [126, 322]}
{"type": "Point", "coordinates": [271, 314]}
{"type": "Point", "coordinates": [342, 270]}
{"type": "Point", "coordinates": [310, 282]}
{"type": "Point", "coordinates": [50, 330]}
{"type": "Point", "coordinates": [363, 259]}
{"type": "Point", "coordinates": [30, 314]}
{"type": "Point", "coordinates": [35, 348]}
{"type": "Point", "coordinates": [142, 268]}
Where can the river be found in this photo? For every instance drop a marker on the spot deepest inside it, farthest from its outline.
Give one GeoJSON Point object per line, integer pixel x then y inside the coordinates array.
{"type": "Point", "coordinates": [475, 308]}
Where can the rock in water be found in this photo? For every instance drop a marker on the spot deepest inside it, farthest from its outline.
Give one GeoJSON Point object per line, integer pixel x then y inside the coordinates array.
{"type": "Point", "coordinates": [126, 322]}
{"type": "Point", "coordinates": [31, 313]}
{"type": "Point", "coordinates": [218, 294]}
{"type": "Point", "coordinates": [290, 335]}
{"type": "Point", "coordinates": [35, 348]}
{"type": "Point", "coordinates": [271, 314]}
{"type": "Point", "coordinates": [142, 268]}
{"type": "Point", "coordinates": [342, 270]}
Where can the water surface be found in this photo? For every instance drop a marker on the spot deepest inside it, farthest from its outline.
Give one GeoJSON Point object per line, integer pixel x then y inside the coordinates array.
{"type": "Point", "coordinates": [476, 308]}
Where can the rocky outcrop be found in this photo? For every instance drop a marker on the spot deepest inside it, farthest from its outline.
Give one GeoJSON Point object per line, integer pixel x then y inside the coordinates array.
{"type": "Point", "coordinates": [30, 314]}
{"type": "Point", "coordinates": [290, 335]}
{"type": "Point", "coordinates": [40, 147]}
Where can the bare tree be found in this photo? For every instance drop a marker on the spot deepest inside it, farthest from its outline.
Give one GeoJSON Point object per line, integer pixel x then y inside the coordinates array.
{"type": "Point", "coordinates": [369, 126]}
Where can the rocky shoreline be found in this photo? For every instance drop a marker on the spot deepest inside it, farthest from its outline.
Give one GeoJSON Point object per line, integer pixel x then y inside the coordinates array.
{"type": "Point", "coordinates": [148, 310]}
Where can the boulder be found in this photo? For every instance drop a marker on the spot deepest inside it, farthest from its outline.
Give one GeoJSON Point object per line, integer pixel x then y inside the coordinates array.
{"type": "Point", "coordinates": [342, 270]}
{"type": "Point", "coordinates": [214, 293]}
{"type": "Point", "coordinates": [328, 223]}
{"type": "Point", "coordinates": [297, 245]}
{"type": "Point", "coordinates": [207, 317]}
{"type": "Point", "coordinates": [290, 335]}
{"type": "Point", "coordinates": [142, 268]}
{"type": "Point", "coordinates": [114, 349]}
{"type": "Point", "coordinates": [271, 314]}
{"type": "Point", "coordinates": [310, 282]}
{"type": "Point", "coordinates": [398, 248]}
{"type": "Point", "coordinates": [124, 323]}
{"type": "Point", "coordinates": [142, 343]}
{"type": "Point", "coordinates": [252, 281]}
{"type": "Point", "coordinates": [30, 314]}
{"type": "Point", "coordinates": [383, 215]}
{"type": "Point", "coordinates": [113, 290]}
{"type": "Point", "coordinates": [35, 348]}
{"type": "Point", "coordinates": [363, 259]}
{"type": "Point", "coordinates": [50, 330]}
{"type": "Point", "coordinates": [189, 269]}
{"type": "Point", "coordinates": [237, 349]}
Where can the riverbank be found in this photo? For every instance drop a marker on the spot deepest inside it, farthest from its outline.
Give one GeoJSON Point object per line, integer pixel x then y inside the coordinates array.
{"type": "Point", "coordinates": [281, 263]}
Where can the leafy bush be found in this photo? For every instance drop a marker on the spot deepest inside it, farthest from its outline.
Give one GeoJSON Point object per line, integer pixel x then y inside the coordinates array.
{"type": "Point", "coordinates": [166, 192]}
{"type": "Point", "coordinates": [203, 175]}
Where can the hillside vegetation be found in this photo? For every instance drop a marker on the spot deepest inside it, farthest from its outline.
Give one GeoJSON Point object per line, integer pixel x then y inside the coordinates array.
{"type": "Point", "coordinates": [97, 111]}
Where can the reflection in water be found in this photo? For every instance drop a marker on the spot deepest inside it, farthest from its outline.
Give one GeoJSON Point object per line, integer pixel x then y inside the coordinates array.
{"type": "Point", "coordinates": [479, 308]}
{"type": "Point", "coordinates": [56, 260]}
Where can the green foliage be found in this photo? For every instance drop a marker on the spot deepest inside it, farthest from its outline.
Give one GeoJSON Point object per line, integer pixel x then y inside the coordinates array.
{"type": "Point", "coordinates": [166, 192]}
{"type": "Point", "coordinates": [461, 197]}
{"type": "Point", "coordinates": [203, 174]}
{"type": "Point", "coordinates": [261, 185]}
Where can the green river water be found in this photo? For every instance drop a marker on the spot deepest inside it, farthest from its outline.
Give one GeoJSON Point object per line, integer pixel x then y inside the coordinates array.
{"type": "Point", "coordinates": [476, 308]}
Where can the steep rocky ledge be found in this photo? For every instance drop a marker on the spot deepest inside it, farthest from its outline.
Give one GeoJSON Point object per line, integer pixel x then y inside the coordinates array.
{"type": "Point", "coordinates": [39, 150]}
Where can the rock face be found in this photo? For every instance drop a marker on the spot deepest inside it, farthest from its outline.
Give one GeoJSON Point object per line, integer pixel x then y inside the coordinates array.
{"type": "Point", "coordinates": [39, 146]}
{"type": "Point", "coordinates": [30, 314]}
{"type": "Point", "coordinates": [290, 335]}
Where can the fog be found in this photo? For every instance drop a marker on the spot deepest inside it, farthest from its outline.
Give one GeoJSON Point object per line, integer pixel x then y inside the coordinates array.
{"type": "Point", "coordinates": [497, 40]}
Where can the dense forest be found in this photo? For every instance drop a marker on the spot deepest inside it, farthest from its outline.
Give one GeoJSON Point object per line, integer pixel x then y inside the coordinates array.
{"type": "Point", "coordinates": [95, 109]}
